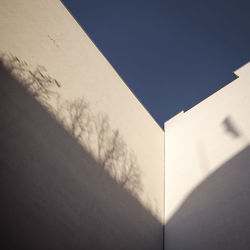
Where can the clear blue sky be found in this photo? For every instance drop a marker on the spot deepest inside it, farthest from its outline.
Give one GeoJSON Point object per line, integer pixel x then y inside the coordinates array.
{"type": "Point", "coordinates": [172, 54]}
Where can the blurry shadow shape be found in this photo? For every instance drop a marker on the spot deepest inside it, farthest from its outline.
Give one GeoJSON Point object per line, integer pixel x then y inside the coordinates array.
{"type": "Point", "coordinates": [230, 127]}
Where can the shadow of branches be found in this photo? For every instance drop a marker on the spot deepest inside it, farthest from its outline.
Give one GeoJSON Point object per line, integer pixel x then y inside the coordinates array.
{"type": "Point", "coordinates": [93, 131]}
{"type": "Point", "coordinates": [36, 81]}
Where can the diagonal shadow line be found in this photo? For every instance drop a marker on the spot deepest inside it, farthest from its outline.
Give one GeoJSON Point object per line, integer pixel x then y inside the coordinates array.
{"type": "Point", "coordinates": [216, 214]}
{"type": "Point", "coordinates": [54, 195]}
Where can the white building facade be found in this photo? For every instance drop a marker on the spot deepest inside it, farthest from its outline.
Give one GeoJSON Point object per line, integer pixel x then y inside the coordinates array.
{"type": "Point", "coordinates": [206, 171]}
{"type": "Point", "coordinates": [82, 160]}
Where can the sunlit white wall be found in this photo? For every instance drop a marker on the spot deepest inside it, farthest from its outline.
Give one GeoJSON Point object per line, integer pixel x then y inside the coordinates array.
{"type": "Point", "coordinates": [44, 33]}
{"type": "Point", "coordinates": [200, 140]}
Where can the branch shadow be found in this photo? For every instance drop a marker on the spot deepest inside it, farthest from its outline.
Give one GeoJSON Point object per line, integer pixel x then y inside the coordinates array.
{"type": "Point", "coordinates": [54, 193]}
{"type": "Point", "coordinates": [92, 131]}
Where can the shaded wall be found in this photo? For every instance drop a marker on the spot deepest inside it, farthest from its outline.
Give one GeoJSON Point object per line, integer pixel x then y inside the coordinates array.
{"type": "Point", "coordinates": [207, 169]}
{"type": "Point", "coordinates": [44, 33]}
{"type": "Point", "coordinates": [216, 214]}
{"type": "Point", "coordinates": [54, 195]}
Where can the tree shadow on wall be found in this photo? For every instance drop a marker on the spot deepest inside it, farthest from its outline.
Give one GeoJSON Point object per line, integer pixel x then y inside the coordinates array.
{"type": "Point", "coordinates": [105, 144]}
{"type": "Point", "coordinates": [92, 131]}
{"type": "Point", "coordinates": [216, 214]}
{"type": "Point", "coordinates": [54, 193]}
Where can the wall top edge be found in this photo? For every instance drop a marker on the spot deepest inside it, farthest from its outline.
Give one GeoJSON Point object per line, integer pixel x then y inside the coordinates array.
{"type": "Point", "coordinates": [173, 120]}
{"type": "Point", "coordinates": [114, 70]}
{"type": "Point", "coordinates": [243, 70]}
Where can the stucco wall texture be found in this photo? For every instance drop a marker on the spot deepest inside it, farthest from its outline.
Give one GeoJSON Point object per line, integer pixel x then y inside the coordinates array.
{"type": "Point", "coordinates": [43, 37]}
{"type": "Point", "coordinates": [54, 194]}
{"type": "Point", "coordinates": [62, 191]}
{"type": "Point", "coordinates": [44, 33]}
{"type": "Point", "coordinates": [207, 170]}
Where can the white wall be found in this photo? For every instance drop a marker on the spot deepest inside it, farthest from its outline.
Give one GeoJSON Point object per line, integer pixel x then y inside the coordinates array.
{"type": "Point", "coordinates": [44, 33]}
{"type": "Point", "coordinates": [199, 142]}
